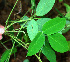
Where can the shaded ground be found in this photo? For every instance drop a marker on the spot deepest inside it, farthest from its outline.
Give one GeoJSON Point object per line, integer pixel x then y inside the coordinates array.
{"type": "Point", "coordinates": [21, 53]}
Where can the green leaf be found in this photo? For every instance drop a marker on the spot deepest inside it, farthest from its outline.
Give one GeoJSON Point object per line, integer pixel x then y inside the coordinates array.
{"type": "Point", "coordinates": [5, 55]}
{"type": "Point", "coordinates": [49, 52]}
{"type": "Point", "coordinates": [33, 3]}
{"type": "Point", "coordinates": [60, 0]}
{"type": "Point", "coordinates": [58, 42]}
{"type": "Point", "coordinates": [44, 6]}
{"type": "Point", "coordinates": [14, 50]}
{"type": "Point", "coordinates": [26, 60]}
{"type": "Point", "coordinates": [68, 15]}
{"type": "Point", "coordinates": [32, 29]}
{"type": "Point", "coordinates": [53, 25]}
{"type": "Point", "coordinates": [41, 22]}
{"type": "Point", "coordinates": [36, 44]}
{"type": "Point", "coordinates": [69, 44]}
{"type": "Point", "coordinates": [67, 7]}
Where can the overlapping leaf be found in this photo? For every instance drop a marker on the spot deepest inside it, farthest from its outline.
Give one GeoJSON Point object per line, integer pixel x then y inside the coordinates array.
{"type": "Point", "coordinates": [53, 25]}
{"type": "Point", "coordinates": [32, 29]}
{"type": "Point", "coordinates": [41, 22]}
{"type": "Point", "coordinates": [58, 42]}
{"type": "Point", "coordinates": [6, 54]}
{"type": "Point", "coordinates": [49, 52]}
{"type": "Point", "coordinates": [44, 6]}
{"type": "Point", "coordinates": [36, 44]}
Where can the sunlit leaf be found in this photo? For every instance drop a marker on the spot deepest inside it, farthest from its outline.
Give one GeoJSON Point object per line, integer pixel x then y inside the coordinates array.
{"type": "Point", "coordinates": [36, 44]}
{"type": "Point", "coordinates": [58, 42]}
{"type": "Point", "coordinates": [32, 29]}
{"type": "Point", "coordinates": [44, 6]}
{"type": "Point", "coordinates": [53, 25]}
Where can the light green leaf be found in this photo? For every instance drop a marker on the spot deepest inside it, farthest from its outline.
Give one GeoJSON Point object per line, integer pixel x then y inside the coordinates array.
{"type": "Point", "coordinates": [67, 7]}
{"type": "Point", "coordinates": [68, 15]}
{"type": "Point", "coordinates": [41, 22]}
{"type": "Point", "coordinates": [5, 55]}
{"type": "Point", "coordinates": [53, 25]}
{"type": "Point", "coordinates": [58, 42]}
{"type": "Point", "coordinates": [44, 6]}
{"type": "Point", "coordinates": [36, 44]}
{"type": "Point", "coordinates": [32, 29]}
{"type": "Point", "coordinates": [26, 60]}
{"type": "Point", "coordinates": [49, 52]}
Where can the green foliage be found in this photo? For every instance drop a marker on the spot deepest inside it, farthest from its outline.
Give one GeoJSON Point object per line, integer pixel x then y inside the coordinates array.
{"type": "Point", "coordinates": [41, 22]}
{"type": "Point", "coordinates": [44, 6]}
{"type": "Point", "coordinates": [58, 42]}
{"type": "Point", "coordinates": [38, 31]}
{"type": "Point", "coordinates": [26, 60]}
{"type": "Point", "coordinates": [69, 44]}
{"type": "Point", "coordinates": [33, 3]}
{"type": "Point", "coordinates": [50, 27]}
{"type": "Point", "coordinates": [23, 18]}
{"type": "Point", "coordinates": [32, 29]}
{"type": "Point", "coordinates": [60, 0]}
{"type": "Point", "coordinates": [49, 52]}
{"type": "Point", "coordinates": [68, 15]}
{"type": "Point", "coordinates": [67, 7]}
{"type": "Point", "coordinates": [67, 27]}
{"type": "Point", "coordinates": [36, 44]}
{"type": "Point", "coordinates": [5, 55]}
{"type": "Point", "coordinates": [68, 11]}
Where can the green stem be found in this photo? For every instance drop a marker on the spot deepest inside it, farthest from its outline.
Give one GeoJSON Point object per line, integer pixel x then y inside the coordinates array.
{"type": "Point", "coordinates": [10, 13]}
{"type": "Point", "coordinates": [4, 45]}
{"type": "Point", "coordinates": [14, 31]}
{"type": "Point", "coordinates": [59, 12]}
{"type": "Point", "coordinates": [38, 58]}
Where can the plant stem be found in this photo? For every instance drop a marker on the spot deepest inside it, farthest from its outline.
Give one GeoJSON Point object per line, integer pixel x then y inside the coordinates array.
{"type": "Point", "coordinates": [10, 13]}
{"type": "Point", "coordinates": [59, 12]}
{"type": "Point", "coordinates": [38, 58]}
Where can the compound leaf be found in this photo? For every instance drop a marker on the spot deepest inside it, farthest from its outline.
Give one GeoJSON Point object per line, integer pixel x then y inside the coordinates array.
{"type": "Point", "coordinates": [32, 29]}
{"type": "Point", "coordinates": [58, 42]}
{"type": "Point", "coordinates": [44, 6]}
{"type": "Point", "coordinates": [36, 44]}
{"type": "Point", "coordinates": [53, 25]}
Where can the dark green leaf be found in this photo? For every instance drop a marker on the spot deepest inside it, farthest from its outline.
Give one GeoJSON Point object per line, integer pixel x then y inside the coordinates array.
{"type": "Point", "coordinates": [5, 55]}
{"type": "Point", "coordinates": [49, 52]}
